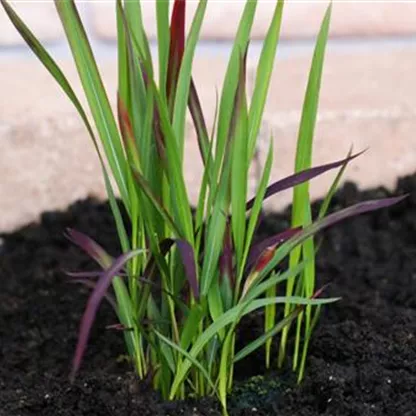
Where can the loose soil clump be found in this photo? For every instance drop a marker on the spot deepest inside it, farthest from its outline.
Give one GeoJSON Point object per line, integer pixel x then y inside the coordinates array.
{"type": "Point", "coordinates": [362, 358]}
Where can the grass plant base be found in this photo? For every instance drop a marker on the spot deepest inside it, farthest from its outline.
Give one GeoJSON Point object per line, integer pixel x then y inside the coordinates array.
{"type": "Point", "coordinates": [362, 359]}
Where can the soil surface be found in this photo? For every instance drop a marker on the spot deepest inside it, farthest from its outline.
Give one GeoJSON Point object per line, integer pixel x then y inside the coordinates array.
{"type": "Point", "coordinates": [362, 359]}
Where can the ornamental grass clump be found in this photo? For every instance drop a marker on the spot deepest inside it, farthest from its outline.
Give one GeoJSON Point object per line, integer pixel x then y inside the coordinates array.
{"type": "Point", "coordinates": [185, 279]}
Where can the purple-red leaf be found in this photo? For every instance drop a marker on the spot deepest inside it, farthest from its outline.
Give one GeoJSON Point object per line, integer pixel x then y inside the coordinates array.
{"type": "Point", "coordinates": [84, 275]}
{"type": "Point", "coordinates": [258, 248]}
{"type": "Point", "coordinates": [336, 217]}
{"type": "Point", "coordinates": [93, 249]}
{"type": "Point", "coordinates": [319, 292]}
{"type": "Point", "coordinates": [358, 209]}
{"type": "Point", "coordinates": [198, 118]}
{"type": "Point", "coordinates": [91, 285]}
{"type": "Point", "coordinates": [177, 46]}
{"type": "Point", "coordinates": [226, 258]}
{"type": "Point", "coordinates": [100, 290]}
{"type": "Point", "coordinates": [300, 177]}
{"type": "Point", "coordinates": [188, 259]}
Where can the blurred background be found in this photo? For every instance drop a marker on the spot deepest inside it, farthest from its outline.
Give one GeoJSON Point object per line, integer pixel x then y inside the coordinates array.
{"type": "Point", "coordinates": [368, 96]}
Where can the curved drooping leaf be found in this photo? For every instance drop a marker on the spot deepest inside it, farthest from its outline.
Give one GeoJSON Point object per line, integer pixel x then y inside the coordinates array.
{"type": "Point", "coordinates": [93, 249]}
{"type": "Point", "coordinates": [300, 177]}
{"type": "Point", "coordinates": [93, 303]}
{"type": "Point", "coordinates": [328, 221]}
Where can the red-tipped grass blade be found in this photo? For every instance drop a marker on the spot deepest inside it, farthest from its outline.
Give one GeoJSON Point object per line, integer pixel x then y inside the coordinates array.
{"type": "Point", "coordinates": [277, 239]}
{"type": "Point", "coordinates": [93, 303]}
{"type": "Point", "coordinates": [177, 47]}
{"type": "Point", "coordinates": [300, 177]}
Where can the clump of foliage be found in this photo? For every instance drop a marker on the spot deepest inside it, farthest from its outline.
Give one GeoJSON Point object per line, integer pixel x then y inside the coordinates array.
{"type": "Point", "coordinates": [185, 280]}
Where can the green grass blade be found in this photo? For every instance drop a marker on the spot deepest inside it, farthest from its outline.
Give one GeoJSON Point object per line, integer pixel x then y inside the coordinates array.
{"type": "Point", "coordinates": [188, 356]}
{"type": "Point", "coordinates": [263, 75]}
{"type": "Point", "coordinates": [174, 172]}
{"type": "Point", "coordinates": [184, 79]}
{"type": "Point", "coordinates": [228, 318]}
{"type": "Point", "coordinates": [328, 197]}
{"type": "Point", "coordinates": [255, 211]}
{"type": "Point", "coordinates": [191, 325]}
{"type": "Point", "coordinates": [241, 42]}
{"type": "Point", "coordinates": [301, 209]}
{"type": "Point", "coordinates": [239, 167]}
{"type": "Point", "coordinates": [123, 69]}
{"type": "Point", "coordinates": [269, 324]}
{"type": "Point", "coordinates": [163, 41]}
{"type": "Point", "coordinates": [267, 336]}
{"type": "Point", "coordinates": [95, 93]}
{"type": "Point", "coordinates": [158, 205]}
{"type": "Point", "coordinates": [225, 369]}
{"type": "Point", "coordinates": [215, 233]}
{"type": "Point", "coordinates": [58, 75]}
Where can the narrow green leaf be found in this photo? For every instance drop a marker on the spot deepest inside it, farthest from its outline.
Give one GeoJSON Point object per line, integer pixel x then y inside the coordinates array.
{"type": "Point", "coordinates": [163, 40]}
{"type": "Point", "coordinates": [267, 336]}
{"type": "Point", "coordinates": [241, 42]}
{"type": "Point", "coordinates": [95, 93]}
{"type": "Point", "coordinates": [263, 76]}
{"type": "Point", "coordinates": [184, 80]}
{"type": "Point", "coordinates": [228, 318]}
{"type": "Point", "coordinates": [144, 186]}
{"type": "Point", "coordinates": [255, 211]}
{"type": "Point", "coordinates": [328, 197]}
{"type": "Point", "coordinates": [301, 208]}
{"type": "Point", "coordinates": [189, 357]}
{"type": "Point", "coordinates": [191, 326]}
{"type": "Point", "coordinates": [239, 166]}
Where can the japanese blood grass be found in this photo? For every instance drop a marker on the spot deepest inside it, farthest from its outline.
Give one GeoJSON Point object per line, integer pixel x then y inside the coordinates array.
{"type": "Point", "coordinates": [184, 280]}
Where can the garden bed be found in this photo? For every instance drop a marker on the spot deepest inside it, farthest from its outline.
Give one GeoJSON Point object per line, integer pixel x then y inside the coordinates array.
{"type": "Point", "coordinates": [362, 359]}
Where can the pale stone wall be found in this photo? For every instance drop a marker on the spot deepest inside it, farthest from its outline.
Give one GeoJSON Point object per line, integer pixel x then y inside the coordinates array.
{"type": "Point", "coordinates": [368, 98]}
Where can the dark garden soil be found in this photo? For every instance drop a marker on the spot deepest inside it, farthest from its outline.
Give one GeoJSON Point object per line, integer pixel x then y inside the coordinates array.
{"type": "Point", "coordinates": [362, 359]}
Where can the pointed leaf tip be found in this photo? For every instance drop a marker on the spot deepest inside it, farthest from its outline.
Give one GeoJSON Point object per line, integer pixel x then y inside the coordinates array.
{"type": "Point", "coordinates": [177, 46]}
{"type": "Point", "coordinates": [265, 258]}
{"type": "Point", "coordinates": [277, 239]}
{"type": "Point", "coordinates": [93, 249]}
{"type": "Point", "coordinates": [301, 177]}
